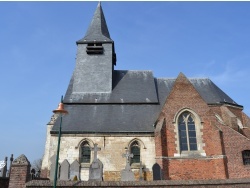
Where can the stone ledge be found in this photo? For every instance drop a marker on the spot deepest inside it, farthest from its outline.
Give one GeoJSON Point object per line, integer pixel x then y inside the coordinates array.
{"type": "Point", "coordinates": [164, 183]}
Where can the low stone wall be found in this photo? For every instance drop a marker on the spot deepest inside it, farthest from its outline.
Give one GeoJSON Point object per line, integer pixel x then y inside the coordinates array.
{"type": "Point", "coordinates": [116, 175]}
{"type": "Point", "coordinates": [229, 183]}
{"type": "Point", "coordinates": [4, 182]}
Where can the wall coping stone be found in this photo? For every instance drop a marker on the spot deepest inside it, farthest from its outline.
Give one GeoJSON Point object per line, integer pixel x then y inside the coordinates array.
{"type": "Point", "coordinates": [47, 183]}
{"type": "Point", "coordinates": [21, 160]}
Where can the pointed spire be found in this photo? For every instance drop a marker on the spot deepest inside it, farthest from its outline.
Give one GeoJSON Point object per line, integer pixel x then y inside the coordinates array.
{"type": "Point", "coordinates": [98, 29]}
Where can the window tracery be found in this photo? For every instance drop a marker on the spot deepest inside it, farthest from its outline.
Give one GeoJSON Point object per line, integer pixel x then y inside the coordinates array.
{"type": "Point", "coordinates": [187, 132]}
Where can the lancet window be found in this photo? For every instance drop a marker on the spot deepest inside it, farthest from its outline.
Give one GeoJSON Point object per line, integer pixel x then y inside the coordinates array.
{"type": "Point", "coordinates": [187, 132]}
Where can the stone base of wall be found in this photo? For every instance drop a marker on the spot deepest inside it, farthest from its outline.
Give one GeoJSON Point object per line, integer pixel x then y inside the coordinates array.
{"type": "Point", "coordinates": [229, 183]}
{"type": "Point", "coordinates": [147, 175]}
{"type": "Point", "coordinates": [116, 175]}
{"type": "Point", "coordinates": [112, 176]}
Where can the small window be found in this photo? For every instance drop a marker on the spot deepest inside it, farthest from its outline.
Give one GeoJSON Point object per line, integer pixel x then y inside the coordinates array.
{"type": "Point", "coordinates": [94, 48]}
{"type": "Point", "coordinates": [85, 152]}
{"type": "Point", "coordinates": [246, 157]}
{"type": "Point", "coordinates": [187, 132]}
{"type": "Point", "coordinates": [135, 150]}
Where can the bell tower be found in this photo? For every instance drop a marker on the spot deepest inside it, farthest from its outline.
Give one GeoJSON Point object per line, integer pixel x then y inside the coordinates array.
{"type": "Point", "coordinates": [95, 58]}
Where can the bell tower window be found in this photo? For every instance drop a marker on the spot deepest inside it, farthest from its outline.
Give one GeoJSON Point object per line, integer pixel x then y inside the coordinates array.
{"type": "Point", "coordinates": [94, 48]}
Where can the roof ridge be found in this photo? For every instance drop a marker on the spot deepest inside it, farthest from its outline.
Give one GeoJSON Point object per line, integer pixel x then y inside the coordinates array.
{"type": "Point", "coordinates": [205, 78]}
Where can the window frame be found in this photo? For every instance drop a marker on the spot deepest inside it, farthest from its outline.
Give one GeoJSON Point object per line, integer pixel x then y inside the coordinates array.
{"type": "Point", "coordinates": [83, 144]}
{"type": "Point", "coordinates": [198, 129]}
{"type": "Point", "coordinates": [135, 143]}
{"type": "Point", "coordinates": [184, 126]}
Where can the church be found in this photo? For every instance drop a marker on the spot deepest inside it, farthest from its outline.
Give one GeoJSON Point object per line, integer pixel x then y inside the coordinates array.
{"type": "Point", "coordinates": [177, 129]}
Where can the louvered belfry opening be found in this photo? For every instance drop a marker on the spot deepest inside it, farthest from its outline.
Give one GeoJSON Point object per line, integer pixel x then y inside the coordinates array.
{"type": "Point", "coordinates": [94, 48]}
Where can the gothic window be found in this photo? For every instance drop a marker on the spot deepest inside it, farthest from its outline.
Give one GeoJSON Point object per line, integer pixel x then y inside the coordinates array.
{"type": "Point", "coordinates": [246, 157]}
{"type": "Point", "coordinates": [187, 132]}
{"type": "Point", "coordinates": [135, 150]}
{"type": "Point", "coordinates": [94, 48]}
{"type": "Point", "coordinates": [85, 152]}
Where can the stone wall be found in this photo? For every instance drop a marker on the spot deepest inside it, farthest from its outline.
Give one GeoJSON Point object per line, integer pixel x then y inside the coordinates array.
{"type": "Point", "coordinates": [116, 175]}
{"type": "Point", "coordinates": [233, 183]}
{"type": "Point", "coordinates": [112, 148]}
{"type": "Point", "coordinates": [45, 163]}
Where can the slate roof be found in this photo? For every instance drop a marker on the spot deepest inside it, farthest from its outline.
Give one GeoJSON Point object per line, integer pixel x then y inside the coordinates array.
{"type": "Point", "coordinates": [98, 30]}
{"type": "Point", "coordinates": [109, 118]}
{"type": "Point", "coordinates": [134, 114]}
{"type": "Point", "coordinates": [210, 93]}
{"type": "Point", "coordinates": [128, 87]}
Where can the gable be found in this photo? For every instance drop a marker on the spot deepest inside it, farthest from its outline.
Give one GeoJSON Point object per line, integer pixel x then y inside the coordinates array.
{"type": "Point", "coordinates": [209, 92]}
{"type": "Point", "coordinates": [182, 95]}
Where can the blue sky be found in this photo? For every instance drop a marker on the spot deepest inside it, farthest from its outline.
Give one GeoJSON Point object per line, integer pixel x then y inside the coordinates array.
{"type": "Point", "coordinates": [38, 50]}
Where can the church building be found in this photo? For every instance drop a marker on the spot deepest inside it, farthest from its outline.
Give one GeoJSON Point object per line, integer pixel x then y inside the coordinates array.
{"type": "Point", "coordinates": [177, 129]}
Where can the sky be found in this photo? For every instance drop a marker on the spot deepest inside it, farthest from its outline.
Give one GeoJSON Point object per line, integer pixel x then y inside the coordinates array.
{"type": "Point", "coordinates": [38, 50]}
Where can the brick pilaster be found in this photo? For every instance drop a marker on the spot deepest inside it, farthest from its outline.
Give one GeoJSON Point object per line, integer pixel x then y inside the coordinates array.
{"type": "Point", "coordinates": [20, 172]}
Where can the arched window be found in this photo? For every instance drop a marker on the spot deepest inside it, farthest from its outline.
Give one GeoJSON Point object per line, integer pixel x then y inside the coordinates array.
{"type": "Point", "coordinates": [187, 132]}
{"type": "Point", "coordinates": [85, 152]}
{"type": "Point", "coordinates": [135, 149]}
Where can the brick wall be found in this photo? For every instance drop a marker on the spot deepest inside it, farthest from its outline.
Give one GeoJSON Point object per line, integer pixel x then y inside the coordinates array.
{"type": "Point", "coordinates": [235, 143]}
{"type": "Point", "coordinates": [203, 168]}
{"type": "Point", "coordinates": [19, 176]}
{"type": "Point", "coordinates": [222, 139]}
{"type": "Point", "coordinates": [20, 172]}
{"type": "Point", "coordinates": [210, 166]}
{"type": "Point", "coordinates": [236, 111]}
{"type": "Point", "coordinates": [246, 120]}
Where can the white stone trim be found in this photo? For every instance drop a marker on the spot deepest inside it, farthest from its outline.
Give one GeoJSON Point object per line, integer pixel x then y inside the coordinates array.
{"type": "Point", "coordinates": [199, 133]}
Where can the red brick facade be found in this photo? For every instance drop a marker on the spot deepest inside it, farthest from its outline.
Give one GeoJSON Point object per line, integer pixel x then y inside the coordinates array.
{"type": "Point", "coordinates": [221, 140]}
